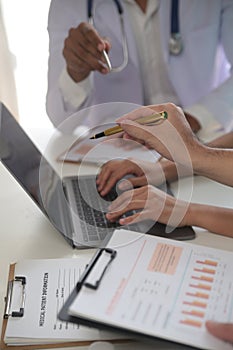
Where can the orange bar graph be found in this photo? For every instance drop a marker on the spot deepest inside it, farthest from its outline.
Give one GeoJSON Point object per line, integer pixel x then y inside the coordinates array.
{"type": "Point", "coordinates": [190, 322]}
{"type": "Point", "coordinates": [200, 286]}
{"type": "Point", "coordinates": [194, 313]}
{"type": "Point", "coordinates": [208, 262]}
{"type": "Point", "coordinates": [203, 278]}
{"type": "Point", "coordinates": [195, 303]}
{"type": "Point", "coordinates": [205, 270]}
{"type": "Point", "coordinates": [198, 295]}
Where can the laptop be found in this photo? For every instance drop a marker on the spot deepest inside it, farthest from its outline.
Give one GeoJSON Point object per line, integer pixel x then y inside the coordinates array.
{"type": "Point", "coordinates": [72, 204]}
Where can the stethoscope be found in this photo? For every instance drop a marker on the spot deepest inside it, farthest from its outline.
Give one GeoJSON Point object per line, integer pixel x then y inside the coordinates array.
{"type": "Point", "coordinates": [175, 44]}
{"type": "Point", "coordinates": [90, 14]}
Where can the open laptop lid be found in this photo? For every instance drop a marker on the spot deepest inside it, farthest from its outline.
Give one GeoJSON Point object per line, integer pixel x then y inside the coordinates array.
{"type": "Point", "coordinates": [41, 182]}
{"type": "Point", "coordinates": [37, 177]}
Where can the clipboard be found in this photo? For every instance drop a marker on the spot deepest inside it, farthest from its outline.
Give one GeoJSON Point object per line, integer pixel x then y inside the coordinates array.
{"type": "Point", "coordinates": [64, 313]}
{"type": "Point", "coordinates": [19, 313]}
{"type": "Point", "coordinates": [8, 312]}
{"type": "Point", "coordinates": [184, 257]}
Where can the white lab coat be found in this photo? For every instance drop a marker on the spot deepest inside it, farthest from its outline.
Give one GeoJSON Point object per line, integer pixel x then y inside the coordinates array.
{"type": "Point", "coordinates": [201, 75]}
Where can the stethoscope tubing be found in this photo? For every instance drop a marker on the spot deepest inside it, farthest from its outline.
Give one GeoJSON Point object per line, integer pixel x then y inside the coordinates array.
{"type": "Point", "coordinates": [175, 44]}
{"type": "Point", "coordinates": [90, 14]}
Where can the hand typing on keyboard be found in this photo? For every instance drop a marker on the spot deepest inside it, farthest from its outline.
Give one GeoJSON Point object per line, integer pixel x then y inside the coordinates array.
{"type": "Point", "coordinates": [138, 173]}
{"type": "Point", "coordinates": [148, 203]}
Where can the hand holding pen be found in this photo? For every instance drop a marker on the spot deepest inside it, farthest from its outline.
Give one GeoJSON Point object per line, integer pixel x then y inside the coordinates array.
{"type": "Point", "coordinates": [172, 138]}
{"type": "Point", "coordinates": [151, 119]}
{"type": "Point", "coordinates": [85, 51]}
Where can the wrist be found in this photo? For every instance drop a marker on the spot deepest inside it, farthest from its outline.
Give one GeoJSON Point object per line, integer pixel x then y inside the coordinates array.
{"type": "Point", "coordinates": [204, 160]}
{"type": "Point", "coordinates": [199, 156]}
{"type": "Point", "coordinates": [194, 215]}
{"type": "Point", "coordinates": [77, 77]}
{"type": "Point", "coordinates": [173, 171]}
{"type": "Point", "coordinates": [169, 169]}
{"type": "Point", "coordinates": [202, 215]}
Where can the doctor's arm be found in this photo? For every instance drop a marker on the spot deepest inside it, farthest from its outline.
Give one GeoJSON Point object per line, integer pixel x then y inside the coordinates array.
{"type": "Point", "coordinates": [69, 83]}
{"type": "Point", "coordinates": [218, 105]}
{"type": "Point", "coordinates": [83, 52]}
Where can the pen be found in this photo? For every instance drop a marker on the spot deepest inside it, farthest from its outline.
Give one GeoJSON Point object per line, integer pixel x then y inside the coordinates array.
{"type": "Point", "coordinates": [148, 120]}
{"type": "Point", "coordinates": [107, 60]}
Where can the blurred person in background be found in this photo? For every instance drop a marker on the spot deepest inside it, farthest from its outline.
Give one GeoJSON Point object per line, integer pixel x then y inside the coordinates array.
{"type": "Point", "coordinates": [178, 51]}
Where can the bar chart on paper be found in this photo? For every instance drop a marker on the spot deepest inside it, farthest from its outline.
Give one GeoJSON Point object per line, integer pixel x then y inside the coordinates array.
{"type": "Point", "coordinates": [205, 293]}
{"type": "Point", "coordinates": [166, 290]}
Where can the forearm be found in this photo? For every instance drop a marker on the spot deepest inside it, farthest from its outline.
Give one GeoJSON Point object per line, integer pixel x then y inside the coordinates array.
{"type": "Point", "coordinates": [175, 141]}
{"type": "Point", "coordinates": [224, 141]}
{"type": "Point", "coordinates": [173, 171]}
{"type": "Point", "coordinates": [215, 163]}
{"type": "Point", "coordinates": [214, 219]}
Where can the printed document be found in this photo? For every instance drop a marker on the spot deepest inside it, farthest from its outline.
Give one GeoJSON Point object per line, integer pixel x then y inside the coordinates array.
{"type": "Point", "coordinates": [95, 151]}
{"type": "Point", "coordinates": [48, 284]}
{"type": "Point", "coordinates": [162, 288]}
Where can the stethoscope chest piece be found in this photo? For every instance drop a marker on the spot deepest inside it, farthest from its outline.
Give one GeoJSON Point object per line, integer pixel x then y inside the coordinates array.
{"type": "Point", "coordinates": [175, 44]}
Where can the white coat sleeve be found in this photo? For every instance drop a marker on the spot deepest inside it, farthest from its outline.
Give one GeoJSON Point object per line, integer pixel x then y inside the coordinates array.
{"type": "Point", "coordinates": [61, 102]}
{"type": "Point", "coordinates": [74, 94]}
{"type": "Point", "coordinates": [216, 109]}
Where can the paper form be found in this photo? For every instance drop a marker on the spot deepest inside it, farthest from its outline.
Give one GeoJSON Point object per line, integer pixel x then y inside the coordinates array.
{"type": "Point", "coordinates": [95, 151]}
{"type": "Point", "coordinates": [48, 284]}
{"type": "Point", "coordinates": [163, 288]}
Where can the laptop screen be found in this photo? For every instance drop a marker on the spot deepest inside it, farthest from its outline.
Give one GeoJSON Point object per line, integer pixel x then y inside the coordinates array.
{"type": "Point", "coordinates": [32, 171]}
{"type": "Point", "coordinates": [19, 155]}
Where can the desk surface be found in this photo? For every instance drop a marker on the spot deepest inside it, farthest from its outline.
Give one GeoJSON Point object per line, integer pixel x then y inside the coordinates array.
{"type": "Point", "coordinates": [27, 233]}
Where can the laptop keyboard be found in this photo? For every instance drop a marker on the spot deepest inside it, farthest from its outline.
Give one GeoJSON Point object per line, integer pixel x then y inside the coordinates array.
{"type": "Point", "coordinates": [92, 209]}
{"type": "Point", "coordinates": [94, 224]}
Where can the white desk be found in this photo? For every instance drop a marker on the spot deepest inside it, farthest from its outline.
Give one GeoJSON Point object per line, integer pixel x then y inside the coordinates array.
{"type": "Point", "coordinates": [27, 233]}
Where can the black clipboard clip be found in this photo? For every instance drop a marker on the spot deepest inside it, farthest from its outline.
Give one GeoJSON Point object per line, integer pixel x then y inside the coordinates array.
{"type": "Point", "coordinates": [91, 278]}
{"type": "Point", "coordinates": [8, 298]}
{"type": "Point", "coordinates": [95, 271]}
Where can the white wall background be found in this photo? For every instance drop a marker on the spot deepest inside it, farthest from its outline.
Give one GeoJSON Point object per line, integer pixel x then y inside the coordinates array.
{"type": "Point", "coordinates": [26, 26]}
